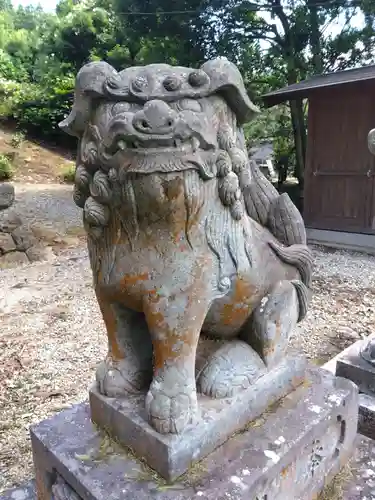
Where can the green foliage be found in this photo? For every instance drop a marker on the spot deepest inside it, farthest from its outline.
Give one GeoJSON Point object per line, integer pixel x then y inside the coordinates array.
{"type": "Point", "coordinates": [38, 108]}
{"type": "Point", "coordinates": [274, 43]}
{"type": "Point", "coordinates": [68, 173]}
{"type": "Point", "coordinates": [17, 139]}
{"type": "Point", "coordinates": [6, 168]}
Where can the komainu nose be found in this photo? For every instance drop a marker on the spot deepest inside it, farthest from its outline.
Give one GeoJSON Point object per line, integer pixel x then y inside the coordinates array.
{"type": "Point", "coordinates": [155, 118]}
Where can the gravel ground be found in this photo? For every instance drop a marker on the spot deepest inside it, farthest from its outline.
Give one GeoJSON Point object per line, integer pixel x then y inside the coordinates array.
{"type": "Point", "coordinates": [52, 334]}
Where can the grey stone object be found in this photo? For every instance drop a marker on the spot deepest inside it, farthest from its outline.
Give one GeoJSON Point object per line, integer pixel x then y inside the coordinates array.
{"type": "Point", "coordinates": [187, 239]}
{"type": "Point", "coordinates": [354, 365]}
{"type": "Point", "coordinates": [171, 456]}
{"type": "Point", "coordinates": [6, 195]}
{"type": "Point", "coordinates": [355, 483]}
{"type": "Point", "coordinates": [366, 417]}
{"type": "Point", "coordinates": [294, 449]}
{"type": "Point", "coordinates": [25, 491]}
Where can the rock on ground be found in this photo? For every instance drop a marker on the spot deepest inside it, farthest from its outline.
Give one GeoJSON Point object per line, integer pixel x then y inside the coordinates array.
{"type": "Point", "coordinates": [6, 195]}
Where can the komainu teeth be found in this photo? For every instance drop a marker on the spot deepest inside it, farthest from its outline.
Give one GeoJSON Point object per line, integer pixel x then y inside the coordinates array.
{"type": "Point", "coordinates": [121, 145]}
{"type": "Point", "coordinates": [177, 143]}
{"type": "Point", "coordinates": [195, 143]}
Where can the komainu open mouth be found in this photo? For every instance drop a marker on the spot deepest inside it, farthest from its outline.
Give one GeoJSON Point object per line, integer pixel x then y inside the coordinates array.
{"type": "Point", "coordinates": [155, 145]}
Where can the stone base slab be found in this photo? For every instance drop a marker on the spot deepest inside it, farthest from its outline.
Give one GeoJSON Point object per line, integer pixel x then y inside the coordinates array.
{"type": "Point", "coordinates": [354, 483]}
{"type": "Point", "coordinates": [171, 455]}
{"type": "Point", "coordinates": [287, 454]}
{"type": "Point", "coordinates": [366, 418]}
{"type": "Point", "coordinates": [352, 366]}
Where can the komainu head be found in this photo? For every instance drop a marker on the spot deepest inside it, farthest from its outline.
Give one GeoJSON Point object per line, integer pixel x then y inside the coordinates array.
{"type": "Point", "coordinates": [159, 119]}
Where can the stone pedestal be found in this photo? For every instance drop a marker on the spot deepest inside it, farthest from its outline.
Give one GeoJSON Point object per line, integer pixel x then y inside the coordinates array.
{"type": "Point", "coordinates": [353, 366]}
{"type": "Point", "coordinates": [171, 455]}
{"type": "Point", "coordinates": [289, 453]}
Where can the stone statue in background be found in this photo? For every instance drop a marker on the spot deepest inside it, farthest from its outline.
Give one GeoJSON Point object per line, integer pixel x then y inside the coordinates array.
{"type": "Point", "coordinates": [368, 349]}
{"type": "Point", "coordinates": [186, 237]}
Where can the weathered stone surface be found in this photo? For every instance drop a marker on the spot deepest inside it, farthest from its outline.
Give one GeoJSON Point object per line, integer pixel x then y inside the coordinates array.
{"type": "Point", "coordinates": [9, 221]}
{"type": "Point", "coordinates": [24, 238]}
{"type": "Point", "coordinates": [353, 366]}
{"type": "Point", "coordinates": [39, 252]}
{"type": "Point", "coordinates": [172, 456]}
{"type": "Point", "coordinates": [6, 243]}
{"type": "Point", "coordinates": [357, 484]}
{"type": "Point", "coordinates": [366, 418]}
{"type": "Point", "coordinates": [13, 259]}
{"type": "Point", "coordinates": [288, 454]}
{"type": "Point", "coordinates": [186, 236]}
{"type": "Point", "coordinates": [6, 195]}
{"type": "Point", "coordinates": [23, 492]}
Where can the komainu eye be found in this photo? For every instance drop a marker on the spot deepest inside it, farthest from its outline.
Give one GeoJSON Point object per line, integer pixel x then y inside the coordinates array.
{"type": "Point", "coordinates": [189, 105]}
{"type": "Point", "coordinates": [172, 83]}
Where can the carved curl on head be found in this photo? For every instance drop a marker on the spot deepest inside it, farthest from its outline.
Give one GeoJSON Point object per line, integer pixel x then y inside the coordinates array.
{"type": "Point", "coordinates": [233, 167]}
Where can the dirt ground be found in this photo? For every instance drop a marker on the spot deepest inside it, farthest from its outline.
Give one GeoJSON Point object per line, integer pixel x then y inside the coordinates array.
{"type": "Point", "coordinates": [34, 162]}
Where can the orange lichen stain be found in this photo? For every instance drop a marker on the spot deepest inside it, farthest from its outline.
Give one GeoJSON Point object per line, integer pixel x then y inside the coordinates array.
{"type": "Point", "coordinates": [174, 188]}
{"type": "Point", "coordinates": [171, 348]}
{"type": "Point", "coordinates": [133, 279]}
{"type": "Point", "coordinates": [284, 472]}
{"type": "Point", "coordinates": [155, 320]}
{"type": "Point", "coordinates": [238, 309]}
{"type": "Point", "coordinates": [181, 340]}
{"type": "Point", "coordinates": [270, 349]}
{"type": "Point", "coordinates": [110, 321]}
{"type": "Point", "coordinates": [153, 295]}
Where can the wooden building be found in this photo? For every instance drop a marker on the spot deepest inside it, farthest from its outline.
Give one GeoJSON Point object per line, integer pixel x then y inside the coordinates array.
{"type": "Point", "coordinates": [339, 196]}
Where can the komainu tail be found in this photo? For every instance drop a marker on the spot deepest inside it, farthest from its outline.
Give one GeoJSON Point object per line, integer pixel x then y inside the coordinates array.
{"type": "Point", "coordinates": [275, 211]}
{"type": "Point", "coordinates": [299, 256]}
{"type": "Point", "coordinates": [279, 214]}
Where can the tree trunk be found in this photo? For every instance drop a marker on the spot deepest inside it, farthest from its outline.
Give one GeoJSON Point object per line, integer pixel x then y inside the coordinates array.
{"type": "Point", "coordinates": [298, 132]}
{"type": "Point", "coordinates": [315, 39]}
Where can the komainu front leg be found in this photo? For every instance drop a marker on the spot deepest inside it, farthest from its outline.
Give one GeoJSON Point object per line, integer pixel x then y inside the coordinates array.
{"type": "Point", "coordinates": [175, 328]}
{"type": "Point", "coordinates": [273, 323]}
{"type": "Point", "coordinates": [127, 368]}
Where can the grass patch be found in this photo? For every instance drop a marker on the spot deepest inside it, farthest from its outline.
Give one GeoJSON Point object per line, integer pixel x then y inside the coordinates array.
{"type": "Point", "coordinates": [6, 167]}
{"type": "Point", "coordinates": [68, 173]}
{"type": "Point", "coordinates": [17, 139]}
{"type": "Point", "coordinates": [334, 490]}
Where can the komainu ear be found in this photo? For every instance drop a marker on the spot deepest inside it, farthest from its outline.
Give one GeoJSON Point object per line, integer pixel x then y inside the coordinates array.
{"type": "Point", "coordinates": [89, 85]}
{"type": "Point", "coordinates": [227, 80]}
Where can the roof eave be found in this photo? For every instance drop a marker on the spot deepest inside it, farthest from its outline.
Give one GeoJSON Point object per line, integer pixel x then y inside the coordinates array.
{"type": "Point", "coordinates": [291, 94]}
{"type": "Point", "coordinates": [272, 99]}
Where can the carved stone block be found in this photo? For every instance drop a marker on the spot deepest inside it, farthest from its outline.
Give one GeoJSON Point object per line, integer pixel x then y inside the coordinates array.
{"type": "Point", "coordinates": [171, 456]}
{"type": "Point", "coordinates": [287, 454]}
{"type": "Point", "coordinates": [354, 366]}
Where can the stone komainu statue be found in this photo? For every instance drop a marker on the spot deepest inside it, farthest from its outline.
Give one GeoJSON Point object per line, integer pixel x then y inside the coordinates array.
{"type": "Point", "coordinates": [186, 237]}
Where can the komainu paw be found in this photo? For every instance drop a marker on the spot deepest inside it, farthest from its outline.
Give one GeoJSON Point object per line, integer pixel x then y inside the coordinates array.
{"type": "Point", "coordinates": [118, 378]}
{"type": "Point", "coordinates": [171, 410]}
{"type": "Point", "coordinates": [232, 369]}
